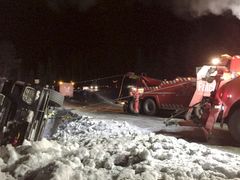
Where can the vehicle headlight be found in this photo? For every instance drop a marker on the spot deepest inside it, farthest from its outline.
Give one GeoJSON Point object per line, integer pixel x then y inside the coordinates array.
{"type": "Point", "coordinates": [85, 88]}
{"type": "Point", "coordinates": [29, 95]}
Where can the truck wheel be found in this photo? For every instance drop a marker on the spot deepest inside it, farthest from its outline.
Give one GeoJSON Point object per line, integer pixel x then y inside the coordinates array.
{"type": "Point", "coordinates": [234, 125]}
{"type": "Point", "coordinates": [149, 107]}
{"type": "Point", "coordinates": [130, 108]}
{"type": "Point", "coordinates": [55, 98]}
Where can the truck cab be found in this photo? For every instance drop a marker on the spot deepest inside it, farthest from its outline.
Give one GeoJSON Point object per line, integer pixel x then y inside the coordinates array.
{"type": "Point", "coordinates": [23, 109]}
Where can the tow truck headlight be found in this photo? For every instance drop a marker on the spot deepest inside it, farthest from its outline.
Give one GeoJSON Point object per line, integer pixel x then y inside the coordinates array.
{"type": "Point", "coordinates": [29, 95]}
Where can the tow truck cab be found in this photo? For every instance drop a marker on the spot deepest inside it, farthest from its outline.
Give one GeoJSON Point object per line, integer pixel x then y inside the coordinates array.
{"type": "Point", "coordinates": [214, 95]}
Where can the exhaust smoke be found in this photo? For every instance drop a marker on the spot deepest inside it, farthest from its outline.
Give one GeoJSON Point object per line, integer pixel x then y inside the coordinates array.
{"type": "Point", "coordinates": [198, 8]}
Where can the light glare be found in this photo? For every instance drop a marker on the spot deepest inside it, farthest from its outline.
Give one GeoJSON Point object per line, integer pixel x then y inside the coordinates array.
{"type": "Point", "coordinates": [215, 61]}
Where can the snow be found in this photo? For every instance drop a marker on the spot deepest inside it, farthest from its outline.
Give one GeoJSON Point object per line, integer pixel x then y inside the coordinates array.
{"type": "Point", "coordinates": [86, 148]}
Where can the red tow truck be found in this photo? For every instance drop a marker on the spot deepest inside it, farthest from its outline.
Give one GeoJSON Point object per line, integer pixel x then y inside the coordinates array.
{"type": "Point", "coordinates": [213, 95]}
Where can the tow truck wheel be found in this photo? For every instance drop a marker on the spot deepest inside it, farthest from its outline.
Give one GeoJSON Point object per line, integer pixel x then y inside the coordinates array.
{"type": "Point", "coordinates": [149, 107]}
{"type": "Point", "coordinates": [234, 125]}
{"type": "Point", "coordinates": [130, 108]}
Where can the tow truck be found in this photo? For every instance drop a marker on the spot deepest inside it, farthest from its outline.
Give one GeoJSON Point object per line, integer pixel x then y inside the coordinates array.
{"type": "Point", "coordinates": [213, 95]}
{"type": "Point", "coordinates": [23, 110]}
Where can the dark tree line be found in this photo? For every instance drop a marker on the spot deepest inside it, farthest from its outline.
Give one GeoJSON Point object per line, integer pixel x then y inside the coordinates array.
{"type": "Point", "coordinates": [110, 37]}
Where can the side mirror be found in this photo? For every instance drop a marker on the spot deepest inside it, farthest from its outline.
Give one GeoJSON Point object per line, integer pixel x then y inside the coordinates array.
{"type": "Point", "coordinates": [29, 95]}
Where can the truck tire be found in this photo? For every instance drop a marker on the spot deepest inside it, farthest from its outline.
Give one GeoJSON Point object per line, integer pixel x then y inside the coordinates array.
{"type": "Point", "coordinates": [149, 107]}
{"type": "Point", "coordinates": [234, 125]}
{"type": "Point", "coordinates": [130, 108]}
{"type": "Point", "coordinates": [55, 98]}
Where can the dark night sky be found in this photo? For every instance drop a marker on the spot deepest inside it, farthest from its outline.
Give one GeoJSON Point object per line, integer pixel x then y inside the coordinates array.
{"type": "Point", "coordinates": [64, 39]}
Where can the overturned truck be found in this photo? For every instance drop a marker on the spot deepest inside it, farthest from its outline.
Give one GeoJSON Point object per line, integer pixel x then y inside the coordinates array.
{"type": "Point", "coordinates": [214, 95]}
{"type": "Point", "coordinates": [23, 110]}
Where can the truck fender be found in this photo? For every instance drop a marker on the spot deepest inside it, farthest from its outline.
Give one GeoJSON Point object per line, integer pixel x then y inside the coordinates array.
{"type": "Point", "coordinates": [228, 113]}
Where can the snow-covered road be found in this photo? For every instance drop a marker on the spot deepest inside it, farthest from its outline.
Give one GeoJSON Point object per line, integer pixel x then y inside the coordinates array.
{"type": "Point", "coordinates": [115, 112]}
{"type": "Point", "coordinates": [93, 148]}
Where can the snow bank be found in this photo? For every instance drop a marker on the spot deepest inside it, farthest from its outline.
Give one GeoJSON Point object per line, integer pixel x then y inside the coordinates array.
{"type": "Point", "coordinates": [90, 149]}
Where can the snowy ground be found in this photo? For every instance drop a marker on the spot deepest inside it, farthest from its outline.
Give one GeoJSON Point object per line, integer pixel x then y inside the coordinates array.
{"type": "Point", "coordinates": [91, 149]}
{"type": "Point", "coordinates": [220, 138]}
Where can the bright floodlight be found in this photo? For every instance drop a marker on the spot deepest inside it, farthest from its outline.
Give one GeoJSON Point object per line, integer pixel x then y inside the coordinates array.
{"type": "Point", "coordinates": [215, 61]}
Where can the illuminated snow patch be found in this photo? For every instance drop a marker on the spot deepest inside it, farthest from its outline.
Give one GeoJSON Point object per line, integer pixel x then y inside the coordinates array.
{"type": "Point", "coordinates": [87, 148]}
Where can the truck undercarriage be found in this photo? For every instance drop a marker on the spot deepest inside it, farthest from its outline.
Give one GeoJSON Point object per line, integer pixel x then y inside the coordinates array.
{"type": "Point", "coordinates": [23, 110]}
